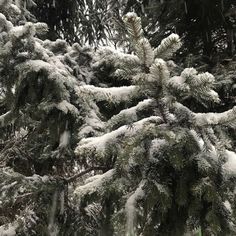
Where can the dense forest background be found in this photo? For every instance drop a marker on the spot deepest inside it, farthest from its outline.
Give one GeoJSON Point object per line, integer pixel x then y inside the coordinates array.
{"type": "Point", "coordinates": [207, 28]}
{"type": "Point", "coordinates": [117, 117]}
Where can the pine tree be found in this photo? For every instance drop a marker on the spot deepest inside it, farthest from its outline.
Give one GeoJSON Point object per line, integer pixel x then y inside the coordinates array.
{"type": "Point", "coordinates": [169, 169]}
{"type": "Point", "coordinates": [145, 162]}
{"type": "Point", "coordinates": [41, 108]}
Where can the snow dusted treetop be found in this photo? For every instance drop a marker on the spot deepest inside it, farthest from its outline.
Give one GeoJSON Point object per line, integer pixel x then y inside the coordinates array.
{"type": "Point", "coordinates": [170, 165]}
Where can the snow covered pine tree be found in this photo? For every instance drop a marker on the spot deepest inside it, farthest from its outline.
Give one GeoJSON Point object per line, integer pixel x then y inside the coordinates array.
{"type": "Point", "coordinates": [41, 107]}
{"type": "Point", "coordinates": [170, 170]}
{"type": "Point", "coordinates": [163, 168]}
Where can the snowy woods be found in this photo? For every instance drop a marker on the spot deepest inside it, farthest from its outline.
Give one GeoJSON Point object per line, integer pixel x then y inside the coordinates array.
{"type": "Point", "coordinates": [113, 133]}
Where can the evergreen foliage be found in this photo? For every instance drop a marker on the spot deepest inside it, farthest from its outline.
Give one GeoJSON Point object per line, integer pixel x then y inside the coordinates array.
{"type": "Point", "coordinates": [81, 21]}
{"type": "Point", "coordinates": [173, 168]}
{"type": "Point", "coordinates": [104, 142]}
{"type": "Point", "coordinates": [41, 108]}
{"type": "Point", "coordinates": [206, 27]}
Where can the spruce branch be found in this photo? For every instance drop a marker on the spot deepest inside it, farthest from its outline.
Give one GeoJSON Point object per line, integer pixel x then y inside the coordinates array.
{"type": "Point", "coordinates": [82, 173]}
{"type": "Point", "coordinates": [141, 45]}
{"type": "Point", "coordinates": [133, 26]}
{"type": "Point", "coordinates": [168, 46]}
{"type": "Point", "coordinates": [159, 71]}
{"type": "Point", "coordinates": [207, 119]}
{"type": "Point", "coordinates": [145, 52]}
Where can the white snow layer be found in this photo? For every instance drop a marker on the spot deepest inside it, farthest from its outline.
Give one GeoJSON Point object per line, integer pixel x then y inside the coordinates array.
{"type": "Point", "coordinates": [141, 105]}
{"type": "Point", "coordinates": [113, 94]}
{"type": "Point", "coordinates": [214, 95]}
{"type": "Point", "coordinates": [215, 118]}
{"type": "Point", "coordinates": [94, 183]}
{"type": "Point", "coordinates": [8, 230]}
{"type": "Point", "coordinates": [20, 31]}
{"type": "Point", "coordinates": [228, 206]}
{"type": "Point", "coordinates": [92, 123]}
{"type": "Point", "coordinates": [197, 138]}
{"type": "Point", "coordinates": [99, 143]}
{"type": "Point", "coordinates": [188, 73]}
{"type": "Point", "coordinates": [130, 208]}
{"type": "Point", "coordinates": [116, 57]}
{"type": "Point", "coordinates": [53, 66]}
{"type": "Point", "coordinates": [156, 145]}
{"type": "Point", "coordinates": [229, 167]}
{"type": "Point", "coordinates": [64, 138]}
{"type": "Point", "coordinates": [3, 118]}
{"type": "Point", "coordinates": [67, 107]}
{"type": "Point", "coordinates": [131, 113]}
{"type": "Point", "coordinates": [131, 15]}
{"type": "Point", "coordinates": [178, 82]}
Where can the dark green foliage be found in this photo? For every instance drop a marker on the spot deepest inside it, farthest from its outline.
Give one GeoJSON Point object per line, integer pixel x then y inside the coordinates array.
{"type": "Point", "coordinates": [77, 21]}
{"type": "Point", "coordinates": [206, 27]}
{"type": "Point", "coordinates": [170, 174]}
{"type": "Point", "coordinates": [109, 143]}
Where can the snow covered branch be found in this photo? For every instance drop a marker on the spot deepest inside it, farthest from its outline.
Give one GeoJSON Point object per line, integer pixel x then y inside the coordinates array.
{"type": "Point", "coordinates": [168, 46]}
{"type": "Point", "coordinates": [130, 208]}
{"type": "Point", "coordinates": [130, 114]}
{"type": "Point", "coordinates": [113, 94]}
{"type": "Point", "coordinates": [100, 143]}
{"type": "Point", "coordinates": [133, 26]}
{"type": "Point", "coordinates": [224, 118]}
{"type": "Point", "coordinates": [82, 173]}
{"type": "Point", "coordinates": [94, 183]}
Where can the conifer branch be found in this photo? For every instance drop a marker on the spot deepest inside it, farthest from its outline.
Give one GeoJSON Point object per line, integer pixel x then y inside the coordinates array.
{"type": "Point", "coordinates": [159, 71]}
{"type": "Point", "coordinates": [82, 173]}
{"type": "Point", "coordinates": [145, 52]}
{"type": "Point", "coordinates": [168, 46]}
{"type": "Point", "coordinates": [133, 26]}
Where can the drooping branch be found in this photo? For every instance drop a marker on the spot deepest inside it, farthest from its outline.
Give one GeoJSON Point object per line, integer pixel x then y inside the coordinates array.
{"type": "Point", "coordinates": [82, 173]}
